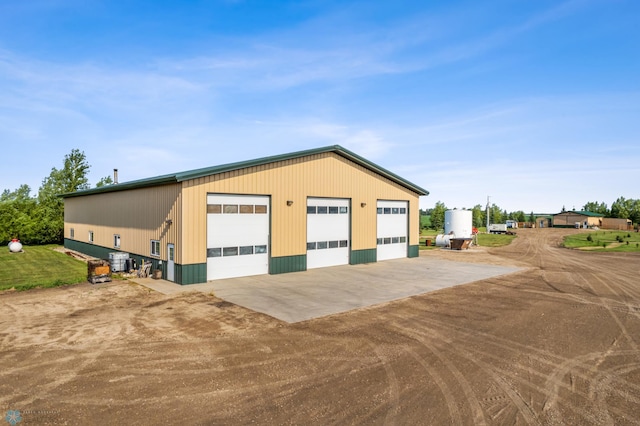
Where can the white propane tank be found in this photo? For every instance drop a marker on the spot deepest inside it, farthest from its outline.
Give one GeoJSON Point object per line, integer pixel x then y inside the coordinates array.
{"type": "Point", "coordinates": [443, 240]}
{"type": "Point", "coordinates": [15, 246]}
{"type": "Point", "coordinates": [460, 222]}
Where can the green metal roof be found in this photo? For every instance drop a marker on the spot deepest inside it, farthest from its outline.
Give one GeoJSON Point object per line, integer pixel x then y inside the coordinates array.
{"type": "Point", "coordinates": [207, 171]}
{"type": "Point", "coordinates": [583, 213]}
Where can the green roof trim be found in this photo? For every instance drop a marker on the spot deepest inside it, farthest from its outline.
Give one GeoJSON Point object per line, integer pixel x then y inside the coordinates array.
{"type": "Point", "coordinates": [581, 212]}
{"type": "Point", "coordinates": [208, 171]}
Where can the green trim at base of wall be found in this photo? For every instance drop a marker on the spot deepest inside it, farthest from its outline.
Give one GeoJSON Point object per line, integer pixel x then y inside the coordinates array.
{"type": "Point", "coordinates": [184, 274]}
{"type": "Point", "coordinates": [414, 251]}
{"type": "Point", "coordinates": [88, 249]}
{"type": "Point", "coordinates": [284, 264]}
{"type": "Point", "coordinates": [363, 256]}
{"type": "Point", "coordinates": [191, 274]}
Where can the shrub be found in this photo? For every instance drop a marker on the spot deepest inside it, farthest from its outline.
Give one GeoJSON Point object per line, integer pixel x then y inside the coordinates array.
{"type": "Point", "coordinates": [589, 238]}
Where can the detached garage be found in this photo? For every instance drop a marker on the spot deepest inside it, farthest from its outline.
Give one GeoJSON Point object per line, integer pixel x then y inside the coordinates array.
{"type": "Point", "coordinates": [309, 209]}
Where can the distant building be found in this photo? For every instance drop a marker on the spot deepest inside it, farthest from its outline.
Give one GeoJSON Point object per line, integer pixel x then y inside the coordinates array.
{"type": "Point", "coordinates": [577, 219]}
{"type": "Point", "coordinates": [617, 224]}
{"type": "Point", "coordinates": [543, 220]}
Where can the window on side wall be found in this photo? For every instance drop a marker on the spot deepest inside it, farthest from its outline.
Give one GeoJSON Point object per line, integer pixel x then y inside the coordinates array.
{"type": "Point", "coordinates": [90, 236]}
{"type": "Point", "coordinates": [155, 248]}
{"type": "Point", "coordinates": [116, 240]}
{"type": "Point", "coordinates": [72, 233]}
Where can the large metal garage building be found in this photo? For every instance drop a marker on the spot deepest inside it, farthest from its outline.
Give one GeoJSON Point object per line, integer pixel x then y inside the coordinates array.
{"type": "Point", "coordinates": [292, 212]}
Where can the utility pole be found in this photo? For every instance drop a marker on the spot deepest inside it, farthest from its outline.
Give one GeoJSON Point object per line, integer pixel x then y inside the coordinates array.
{"type": "Point", "coordinates": [488, 213]}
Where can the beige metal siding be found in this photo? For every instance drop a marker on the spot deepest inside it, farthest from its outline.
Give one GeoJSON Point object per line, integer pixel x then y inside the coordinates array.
{"type": "Point", "coordinates": [138, 216]}
{"type": "Point", "coordinates": [570, 219]}
{"type": "Point", "coordinates": [320, 175]}
{"type": "Point", "coordinates": [616, 223]}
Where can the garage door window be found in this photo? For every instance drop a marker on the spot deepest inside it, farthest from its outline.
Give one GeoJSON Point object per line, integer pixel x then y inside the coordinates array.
{"type": "Point", "coordinates": [230, 209]}
{"type": "Point", "coordinates": [320, 245]}
{"type": "Point", "coordinates": [230, 251]}
{"type": "Point", "coordinates": [327, 210]}
{"type": "Point", "coordinates": [235, 251]}
{"type": "Point", "coordinates": [392, 240]}
{"type": "Point", "coordinates": [246, 250]}
{"type": "Point", "coordinates": [214, 252]}
{"type": "Point", "coordinates": [235, 209]}
{"type": "Point", "coordinates": [214, 208]}
{"type": "Point", "coordinates": [392, 210]}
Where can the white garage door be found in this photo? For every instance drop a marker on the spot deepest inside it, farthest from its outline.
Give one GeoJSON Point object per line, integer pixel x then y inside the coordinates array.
{"type": "Point", "coordinates": [392, 229]}
{"type": "Point", "coordinates": [327, 232]}
{"type": "Point", "coordinates": [237, 235]}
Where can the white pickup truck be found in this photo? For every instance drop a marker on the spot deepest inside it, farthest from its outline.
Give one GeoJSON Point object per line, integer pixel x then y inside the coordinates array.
{"type": "Point", "coordinates": [498, 228]}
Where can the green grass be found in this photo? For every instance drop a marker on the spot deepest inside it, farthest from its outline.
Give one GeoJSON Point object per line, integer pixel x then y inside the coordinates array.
{"type": "Point", "coordinates": [425, 221]}
{"type": "Point", "coordinates": [39, 266]}
{"type": "Point", "coordinates": [495, 240]}
{"type": "Point", "coordinates": [608, 241]}
{"type": "Point", "coordinates": [485, 240]}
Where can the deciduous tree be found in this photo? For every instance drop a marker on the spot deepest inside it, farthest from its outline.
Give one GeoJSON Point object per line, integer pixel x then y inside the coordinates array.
{"type": "Point", "coordinates": [437, 216]}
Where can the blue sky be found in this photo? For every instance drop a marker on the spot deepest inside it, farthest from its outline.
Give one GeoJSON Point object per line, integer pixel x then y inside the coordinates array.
{"type": "Point", "coordinates": [534, 103]}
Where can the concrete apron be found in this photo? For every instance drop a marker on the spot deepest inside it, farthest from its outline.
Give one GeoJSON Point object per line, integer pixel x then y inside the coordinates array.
{"type": "Point", "coordinates": [315, 293]}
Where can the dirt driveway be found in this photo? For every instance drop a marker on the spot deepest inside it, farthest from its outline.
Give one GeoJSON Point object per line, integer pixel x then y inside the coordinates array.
{"type": "Point", "coordinates": [557, 343]}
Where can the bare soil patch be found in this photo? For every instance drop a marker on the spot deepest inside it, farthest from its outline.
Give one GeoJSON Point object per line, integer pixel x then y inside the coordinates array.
{"type": "Point", "coordinates": [557, 343]}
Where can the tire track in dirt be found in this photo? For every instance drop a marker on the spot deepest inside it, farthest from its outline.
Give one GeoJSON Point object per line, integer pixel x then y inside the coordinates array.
{"type": "Point", "coordinates": [541, 356]}
{"type": "Point", "coordinates": [392, 386]}
{"type": "Point", "coordinates": [605, 381]}
{"type": "Point", "coordinates": [614, 316]}
{"type": "Point", "coordinates": [523, 408]}
{"type": "Point", "coordinates": [436, 339]}
{"type": "Point", "coordinates": [456, 374]}
{"type": "Point", "coordinates": [545, 358]}
{"type": "Point", "coordinates": [449, 399]}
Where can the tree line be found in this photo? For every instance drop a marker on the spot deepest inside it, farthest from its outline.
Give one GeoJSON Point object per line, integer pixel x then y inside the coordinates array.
{"type": "Point", "coordinates": [621, 208]}
{"type": "Point", "coordinates": [39, 219]}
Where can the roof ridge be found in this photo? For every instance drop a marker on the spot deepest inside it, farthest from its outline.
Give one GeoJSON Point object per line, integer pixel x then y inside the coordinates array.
{"type": "Point", "coordinates": [207, 171]}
